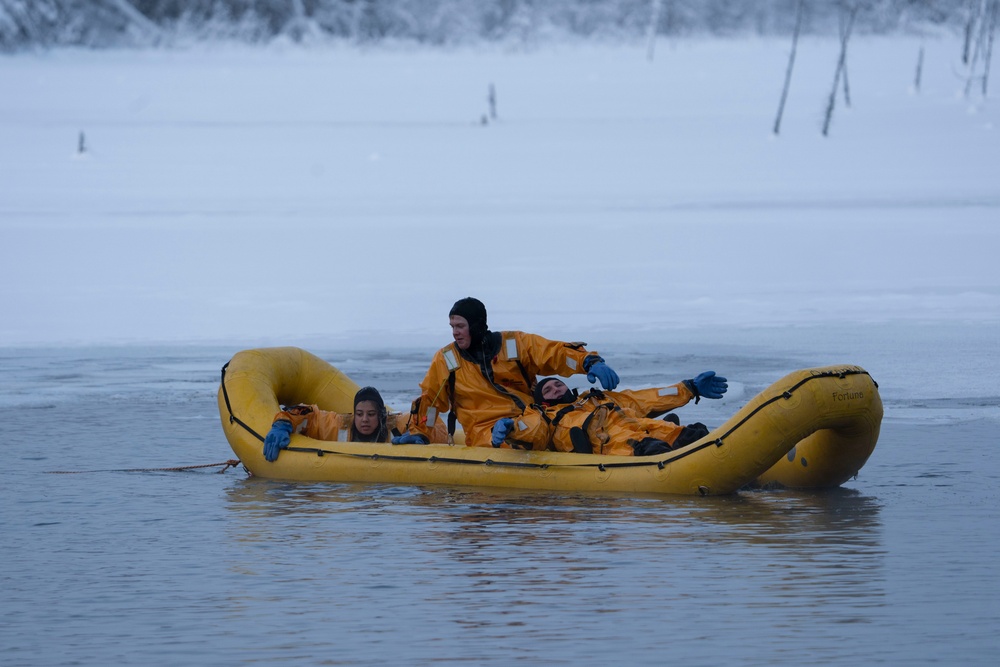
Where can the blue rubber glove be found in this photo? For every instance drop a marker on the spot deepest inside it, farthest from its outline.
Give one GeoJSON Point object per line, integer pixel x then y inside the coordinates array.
{"type": "Point", "coordinates": [710, 385]}
{"type": "Point", "coordinates": [277, 439]}
{"type": "Point", "coordinates": [601, 371]}
{"type": "Point", "coordinates": [501, 429]}
{"type": "Point", "coordinates": [409, 439]}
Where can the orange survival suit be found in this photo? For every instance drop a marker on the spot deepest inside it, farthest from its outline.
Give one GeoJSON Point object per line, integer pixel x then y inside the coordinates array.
{"type": "Point", "coordinates": [613, 422]}
{"type": "Point", "coordinates": [479, 390]}
{"type": "Point", "coordinates": [311, 421]}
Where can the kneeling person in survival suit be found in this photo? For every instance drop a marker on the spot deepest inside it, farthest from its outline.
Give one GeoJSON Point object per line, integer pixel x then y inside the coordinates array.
{"type": "Point", "coordinates": [620, 423]}
{"type": "Point", "coordinates": [484, 375]}
{"type": "Point", "coordinates": [370, 422]}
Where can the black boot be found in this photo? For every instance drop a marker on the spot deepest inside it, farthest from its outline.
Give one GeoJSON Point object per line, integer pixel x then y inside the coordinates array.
{"type": "Point", "coordinates": [650, 447]}
{"type": "Point", "coordinates": [690, 433]}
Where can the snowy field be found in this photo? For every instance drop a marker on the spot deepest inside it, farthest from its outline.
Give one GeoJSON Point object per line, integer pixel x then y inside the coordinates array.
{"type": "Point", "coordinates": [344, 198]}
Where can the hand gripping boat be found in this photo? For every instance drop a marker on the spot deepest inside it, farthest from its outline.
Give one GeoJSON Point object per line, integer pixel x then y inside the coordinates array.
{"type": "Point", "coordinates": [812, 429]}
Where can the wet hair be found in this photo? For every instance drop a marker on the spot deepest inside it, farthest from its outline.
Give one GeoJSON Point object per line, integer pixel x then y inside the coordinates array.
{"type": "Point", "coordinates": [474, 313]}
{"type": "Point", "coordinates": [380, 434]}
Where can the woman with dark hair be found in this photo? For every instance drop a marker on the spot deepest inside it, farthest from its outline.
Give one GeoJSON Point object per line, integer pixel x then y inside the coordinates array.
{"type": "Point", "coordinates": [370, 422]}
{"type": "Point", "coordinates": [370, 417]}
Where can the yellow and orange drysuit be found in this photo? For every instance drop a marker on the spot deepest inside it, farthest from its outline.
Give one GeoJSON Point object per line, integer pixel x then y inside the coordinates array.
{"type": "Point", "coordinates": [312, 422]}
{"type": "Point", "coordinates": [479, 393]}
{"type": "Point", "coordinates": [614, 422]}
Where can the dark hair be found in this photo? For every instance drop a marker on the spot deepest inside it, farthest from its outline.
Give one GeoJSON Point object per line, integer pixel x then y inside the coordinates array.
{"type": "Point", "coordinates": [381, 434]}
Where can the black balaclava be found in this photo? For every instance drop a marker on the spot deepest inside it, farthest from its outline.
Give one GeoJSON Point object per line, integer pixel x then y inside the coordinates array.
{"type": "Point", "coordinates": [568, 397]}
{"type": "Point", "coordinates": [474, 313]}
{"type": "Point", "coordinates": [381, 433]}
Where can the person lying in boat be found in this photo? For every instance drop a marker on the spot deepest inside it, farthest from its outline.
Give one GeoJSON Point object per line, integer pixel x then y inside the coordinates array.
{"type": "Point", "coordinates": [620, 423]}
{"type": "Point", "coordinates": [370, 422]}
{"type": "Point", "coordinates": [485, 376]}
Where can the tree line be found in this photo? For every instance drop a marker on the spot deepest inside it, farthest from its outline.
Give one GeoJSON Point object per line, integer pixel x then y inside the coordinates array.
{"type": "Point", "coordinates": [30, 24]}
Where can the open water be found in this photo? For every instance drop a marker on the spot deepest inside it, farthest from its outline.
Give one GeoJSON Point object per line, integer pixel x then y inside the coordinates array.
{"type": "Point", "coordinates": [110, 565]}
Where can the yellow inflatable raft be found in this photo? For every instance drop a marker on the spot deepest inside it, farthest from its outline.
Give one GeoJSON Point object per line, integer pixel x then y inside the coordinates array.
{"type": "Point", "coordinates": [814, 428]}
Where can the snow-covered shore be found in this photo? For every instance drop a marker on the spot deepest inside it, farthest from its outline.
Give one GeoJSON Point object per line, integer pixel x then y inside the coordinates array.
{"type": "Point", "coordinates": [272, 195]}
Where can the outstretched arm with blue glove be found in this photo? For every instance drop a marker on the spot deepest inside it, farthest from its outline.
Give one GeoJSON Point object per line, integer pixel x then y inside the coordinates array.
{"type": "Point", "coordinates": [707, 385]}
{"type": "Point", "coordinates": [596, 370]}
{"type": "Point", "coordinates": [277, 439]}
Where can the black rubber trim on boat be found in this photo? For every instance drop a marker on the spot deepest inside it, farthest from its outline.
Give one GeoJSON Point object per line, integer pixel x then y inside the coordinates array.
{"type": "Point", "coordinates": [639, 462]}
{"type": "Point", "coordinates": [787, 394]}
{"type": "Point", "coordinates": [487, 462]}
{"type": "Point", "coordinates": [232, 417]}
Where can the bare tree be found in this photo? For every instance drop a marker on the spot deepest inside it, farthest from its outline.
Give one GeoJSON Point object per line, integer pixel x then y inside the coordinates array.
{"type": "Point", "coordinates": [847, 86]}
{"type": "Point", "coordinates": [791, 63]}
{"type": "Point", "coordinates": [994, 12]}
{"type": "Point", "coordinates": [970, 27]}
{"type": "Point", "coordinates": [840, 68]}
{"type": "Point", "coordinates": [983, 30]}
{"type": "Point", "coordinates": [654, 23]}
{"type": "Point", "coordinates": [136, 17]}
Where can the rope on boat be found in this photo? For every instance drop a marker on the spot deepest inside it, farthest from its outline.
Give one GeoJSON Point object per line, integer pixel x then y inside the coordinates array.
{"type": "Point", "coordinates": [787, 394]}
{"type": "Point", "coordinates": [639, 462]}
{"type": "Point", "coordinates": [232, 417]}
{"type": "Point", "coordinates": [231, 463]}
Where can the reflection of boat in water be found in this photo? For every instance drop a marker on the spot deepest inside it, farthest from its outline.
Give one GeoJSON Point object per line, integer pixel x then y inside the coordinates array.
{"type": "Point", "coordinates": [805, 526]}
{"type": "Point", "coordinates": [814, 428]}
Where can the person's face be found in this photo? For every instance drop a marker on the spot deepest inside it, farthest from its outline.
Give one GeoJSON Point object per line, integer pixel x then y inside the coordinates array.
{"type": "Point", "coordinates": [553, 389]}
{"type": "Point", "coordinates": [366, 417]}
{"type": "Point", "coordinates": [460, 331]}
